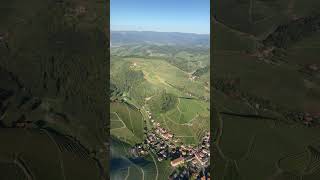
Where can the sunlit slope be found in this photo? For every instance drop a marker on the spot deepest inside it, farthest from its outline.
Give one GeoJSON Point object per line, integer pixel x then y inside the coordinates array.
{"type": "Point", "coordinates": [189, 115]}
{"type": "Point", "coordinates": [126, 123]}
{"type": "Point", "coordinates": [162, 74]}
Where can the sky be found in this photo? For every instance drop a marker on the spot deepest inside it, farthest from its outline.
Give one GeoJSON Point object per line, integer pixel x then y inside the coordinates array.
{"type": "Point", "coordinates": [187, 16]}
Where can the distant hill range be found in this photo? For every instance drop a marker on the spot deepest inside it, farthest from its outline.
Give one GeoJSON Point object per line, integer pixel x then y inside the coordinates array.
{"type": "Point", "coordinates": [162, 38]}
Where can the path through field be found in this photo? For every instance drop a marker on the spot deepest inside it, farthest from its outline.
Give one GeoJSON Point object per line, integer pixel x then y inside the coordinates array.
{"type": "Point", "coordinates": [155, 163]}
{"type": "Point", "coordinates": [128, 173]}
{"type": "Point", "coordinates": [236, 31]}
{"type": "Point", "coordinates": [119, 119]}
{"type": "Point", "coordinates": [130, 119]}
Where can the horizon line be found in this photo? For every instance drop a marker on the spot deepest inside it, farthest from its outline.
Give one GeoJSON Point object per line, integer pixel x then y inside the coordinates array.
{"type": "Point", "coordinates": [159, 31]}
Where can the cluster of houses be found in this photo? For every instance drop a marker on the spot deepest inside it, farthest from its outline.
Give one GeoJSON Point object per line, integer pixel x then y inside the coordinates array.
{"type": "Point", "coordinates": [162, 143]}
{"type": "Point", "coordinates": [195, 163]}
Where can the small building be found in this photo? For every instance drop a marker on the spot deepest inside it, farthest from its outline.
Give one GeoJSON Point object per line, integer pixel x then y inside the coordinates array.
{"type": "Point", "coordinates": [165, 136]}
{"type": "Point", "coordinates": [162, 130]}
{"type": "Point", "coordinates": [194, 161]}
{"type": "Point", "coordinates": [177, 162]}
{"type": "Point", "coordinates": [200, 158]}
{"type": "Point", "coordinates": [205, 151]}
{"type": "Point", "coordinates": [188, 159]}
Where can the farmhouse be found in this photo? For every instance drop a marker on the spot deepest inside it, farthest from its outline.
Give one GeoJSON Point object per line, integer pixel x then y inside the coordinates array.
{"type": "Point", "coordinates": [177, 162]}
{"type": "Point", "coordinates": [166, 136]}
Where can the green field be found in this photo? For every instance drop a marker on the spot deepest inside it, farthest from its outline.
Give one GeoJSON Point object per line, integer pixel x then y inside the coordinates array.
{"type": "Point", "coordinates": [159, 75]}
{"type": "Point", "coordinates": [127, 123]}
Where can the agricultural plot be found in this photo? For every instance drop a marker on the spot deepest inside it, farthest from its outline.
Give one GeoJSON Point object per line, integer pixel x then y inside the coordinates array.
{"type": "Point", "coordinates": [117, 124]}
{"type": "Point", "coordinates": [191, 109]}
{"type": "Point", "coordinates": [187, 111]}
{"type": "Point", "coordinates": [129, 123]}
{"type": "Point", "coordinates": [162, 74]}
{"type": "Point", "coordinates": [188, 133]}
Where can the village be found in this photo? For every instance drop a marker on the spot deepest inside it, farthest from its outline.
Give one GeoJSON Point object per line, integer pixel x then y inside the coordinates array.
{"type": "Point", "coordinates": [187, 160]}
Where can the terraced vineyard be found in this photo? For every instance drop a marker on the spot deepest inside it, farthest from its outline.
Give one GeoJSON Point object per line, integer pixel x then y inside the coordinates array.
{"type": "Point", "coordinates": [158, 75]}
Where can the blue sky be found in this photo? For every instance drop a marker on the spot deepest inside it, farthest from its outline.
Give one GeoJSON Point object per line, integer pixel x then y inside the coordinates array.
{"type": "Point", "coordinates": [192, 16]}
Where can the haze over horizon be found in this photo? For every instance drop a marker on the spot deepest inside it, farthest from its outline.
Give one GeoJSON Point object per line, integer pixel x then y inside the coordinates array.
{"type": "Point", "coordinates": [157, 31]}
{"type": "Point", "coordinates": [161, 16]}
